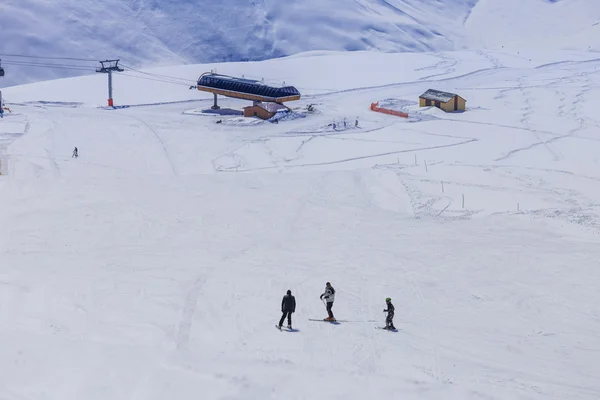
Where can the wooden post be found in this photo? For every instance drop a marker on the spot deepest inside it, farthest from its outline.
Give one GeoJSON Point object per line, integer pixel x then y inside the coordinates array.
{"type": "Point", "coordinates": [463, 201]}
{"type": "Point", "coordinates": [442, 186]}
{"type": "Point", "coordinates": [416, 160]}
{"type": "Point", "coordinates": [426, 166]}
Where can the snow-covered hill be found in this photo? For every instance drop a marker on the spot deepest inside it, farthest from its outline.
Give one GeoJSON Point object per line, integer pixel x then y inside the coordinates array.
{"type": "Point", "coordinates": [155, 32]}
{"type": "Point", "coordinates": [152, 267]}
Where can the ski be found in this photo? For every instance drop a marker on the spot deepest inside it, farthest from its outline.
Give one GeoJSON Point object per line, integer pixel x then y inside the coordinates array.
{"type": "Point", "coordinates": [369, 320]}
{"type": "Point", "coordinates": [342, 320]}
{"type": "Point", "coordinates": [322, 320]}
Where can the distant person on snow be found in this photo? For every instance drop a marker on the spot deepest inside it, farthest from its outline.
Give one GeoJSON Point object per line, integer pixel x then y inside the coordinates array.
{"type": "Point", "coordinates": [389, 320]}
{"type": "Point", "coordinates": [329, 297]}
{"type": "Point", "coordinates": [288, 307]}
{"type": "Point", "coordinates": [75, 153]}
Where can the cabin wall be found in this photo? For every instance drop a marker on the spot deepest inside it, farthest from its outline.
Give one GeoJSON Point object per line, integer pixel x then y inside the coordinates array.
{"type": "Point", "coordinates": [256, 111]}
{"type": "Point", "coordinates": [448, 106]}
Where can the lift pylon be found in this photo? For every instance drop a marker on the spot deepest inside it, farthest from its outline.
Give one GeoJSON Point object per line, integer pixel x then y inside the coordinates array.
{"type": "Point", "coordinates": [107, 67]}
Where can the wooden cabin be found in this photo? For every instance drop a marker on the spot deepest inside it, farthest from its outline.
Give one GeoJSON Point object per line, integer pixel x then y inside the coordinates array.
{"type": "Point", "coordinates": [448, 102]}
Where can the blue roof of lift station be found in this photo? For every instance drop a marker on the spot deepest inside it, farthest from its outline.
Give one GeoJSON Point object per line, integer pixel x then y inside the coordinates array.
{"type": "Point", "coordinates": [248, 86]}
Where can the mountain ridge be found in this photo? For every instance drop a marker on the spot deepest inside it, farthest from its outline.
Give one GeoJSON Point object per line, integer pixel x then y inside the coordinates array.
{"type": "Point", "coordinates": [147, 33]}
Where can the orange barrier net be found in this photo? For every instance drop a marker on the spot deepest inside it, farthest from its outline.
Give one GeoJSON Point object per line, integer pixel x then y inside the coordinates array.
{"type": "Point", "coordinates": [375, 107]}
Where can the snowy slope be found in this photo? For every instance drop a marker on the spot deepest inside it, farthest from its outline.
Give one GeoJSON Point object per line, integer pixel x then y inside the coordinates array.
{"type": "Point", "coordinates": [547, 24]}
{"type": "Point", "coordinates": [152, 32]}
{"type": "Point", "coordinates": [152, 267]}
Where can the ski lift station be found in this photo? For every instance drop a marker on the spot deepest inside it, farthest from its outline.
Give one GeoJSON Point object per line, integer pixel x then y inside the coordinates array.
{"type": "Point", "coordinates": [246, 89]}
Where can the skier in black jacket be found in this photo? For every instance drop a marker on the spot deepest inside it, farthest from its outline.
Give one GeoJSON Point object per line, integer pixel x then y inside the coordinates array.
{"type": "Point", "coordinates": [389, 320]}
{"type": "Point", "coordinates": [288, 307]}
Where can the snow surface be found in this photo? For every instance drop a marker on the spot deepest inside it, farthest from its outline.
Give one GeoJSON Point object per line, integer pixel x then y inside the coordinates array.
{"type": "Point", "coordinates": [153, 266]}
{"type": "Point", "coordinates": [173, 32]}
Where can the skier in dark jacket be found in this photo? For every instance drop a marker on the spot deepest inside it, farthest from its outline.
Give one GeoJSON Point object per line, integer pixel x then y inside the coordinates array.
{"type": "Point", "coordinates": [288, 307]}
{"type": "Point", "coordinates": [389, 320]}
{"type": "Point", "coordinates": [329, 296]}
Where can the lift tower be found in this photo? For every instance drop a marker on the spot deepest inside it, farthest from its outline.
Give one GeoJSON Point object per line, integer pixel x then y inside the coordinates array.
{"type": "Point", "coordinates": [108, 66]}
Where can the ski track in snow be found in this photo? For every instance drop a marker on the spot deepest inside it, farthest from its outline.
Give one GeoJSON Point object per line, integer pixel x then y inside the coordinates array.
{"type": "Point", "coordinates": [159, 139]}
{"type": "Point", "coordinates": [185, 326]}
{"type": "Point", "coordinates": [447, 64]}
{"type": "Point", "coordinates": [575, 114]}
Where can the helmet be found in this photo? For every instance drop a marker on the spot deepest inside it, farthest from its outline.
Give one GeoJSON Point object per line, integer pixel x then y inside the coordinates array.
{"type": "Point", "coordinates": [388, 299]}
{"type": "Point", "coordinates": [289, 292]}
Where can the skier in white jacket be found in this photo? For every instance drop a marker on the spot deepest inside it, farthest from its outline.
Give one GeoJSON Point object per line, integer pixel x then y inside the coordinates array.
{"type": "Point", "coordinates": [329, 296]}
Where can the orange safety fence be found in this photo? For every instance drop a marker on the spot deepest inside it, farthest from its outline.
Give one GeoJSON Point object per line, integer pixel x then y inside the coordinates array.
{"type": "Point", "coordinates": [375, 107]}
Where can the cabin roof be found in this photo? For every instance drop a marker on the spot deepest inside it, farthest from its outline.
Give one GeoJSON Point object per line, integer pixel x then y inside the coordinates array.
{"type": "Point", "coordinates": [438, 95]}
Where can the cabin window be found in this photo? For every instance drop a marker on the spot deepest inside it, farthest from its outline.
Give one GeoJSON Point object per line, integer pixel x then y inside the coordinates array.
{"type": "Point", "coordinates": [428, 102]}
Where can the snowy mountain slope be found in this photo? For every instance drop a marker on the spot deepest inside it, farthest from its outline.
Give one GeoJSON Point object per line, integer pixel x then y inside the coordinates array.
{"type": "Point", "coordinates": [153, 266]}
{"type": "Point", "coordinates": [534, 24]}
{"type": "Point", "coordinates": [152, 32]}
{"type": "Point", "coordinates": [89, 30]}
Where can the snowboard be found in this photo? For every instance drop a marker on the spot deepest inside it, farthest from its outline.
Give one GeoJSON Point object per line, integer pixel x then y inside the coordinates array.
{"type": "Point", "coordinates": [283, 328]}
{"type": "Point", "coordinates": [384, 329]}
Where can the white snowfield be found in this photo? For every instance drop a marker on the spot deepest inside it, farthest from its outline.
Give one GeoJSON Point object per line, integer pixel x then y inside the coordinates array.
{"type": "Point", "coordinates": [152, 267]}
